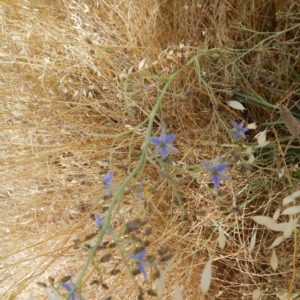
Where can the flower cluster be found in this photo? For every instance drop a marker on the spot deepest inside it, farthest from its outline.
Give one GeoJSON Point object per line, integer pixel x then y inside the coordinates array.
{"type": "Point", "coordinates": [162, 147]}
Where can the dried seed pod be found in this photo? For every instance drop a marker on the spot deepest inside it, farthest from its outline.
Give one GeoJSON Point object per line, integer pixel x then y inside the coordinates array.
{"type": "Point", "coordinates": [144, 222]}
{"type": "Point", "coordinates": [51, 280]}
{"type": "Point", "coordinates": [106, 197]}
{"type": "Point", "coordinates": [41, 284]}
{"type": "Point", "coordinates": [105, 258]}
{"type": "Point", "coordinates": [138, 250]}
{"type": "Point", "coordinates": [166, 257]}
{"type": "Point", "coordinates": [101, 247]}
{"type": "Point", "coordinates": [156, 274]}
{"type": "Point", "coordinates": [136, 272]}
{"type": "Point", "coordinates": [90, 236]}
{"type": "Point", "coordinates": [237, 210]}
{"type": "Point", "coordinates": [65, 278]}
{"type": "Point", "coordinates": [163, 251]}
{"type": "Point", "coordinates": [132, 226]}
{"type": "Point", "coordinates": [95, 282]}
{"type": "Point", "coordinates": [148, 231]}
{"type": "Point", "coordinates": [76, 243]}
{"type": "Point", "coordinates": [146, 243]}
{"type": "Point", "coordinates": [151, 293]}
{"type": "Point", "coordinates": [289, 120]}
{"type": "Point", "coordinates": [115, 271]}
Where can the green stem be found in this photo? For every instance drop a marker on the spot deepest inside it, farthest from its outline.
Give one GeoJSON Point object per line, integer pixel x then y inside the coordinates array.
{"type": "Point", "coordinates": [122, 187]}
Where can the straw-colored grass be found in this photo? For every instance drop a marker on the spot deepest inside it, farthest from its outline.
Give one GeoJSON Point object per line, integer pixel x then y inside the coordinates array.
{"type": "Point", "coordinates": [77, 102]}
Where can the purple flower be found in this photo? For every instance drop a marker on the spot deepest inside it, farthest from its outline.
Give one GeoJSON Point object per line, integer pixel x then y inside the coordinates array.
{"type": "Point", "coordinates": [215, 171]}
{"type": "Point", "coordinates": [107, 183]}
{"type": "Point", "coordinates": [239, 130]}
{"type": "Point", "coordinates": [142, 192]}
{"type": "Point", "coordinates": [69, 287]}
{"type": "Point", "coordinates": [99, 222]}
{"type": "Point", "coordinates": [138, 258]}
{"type": "Point", "coordinates": [163, 144]}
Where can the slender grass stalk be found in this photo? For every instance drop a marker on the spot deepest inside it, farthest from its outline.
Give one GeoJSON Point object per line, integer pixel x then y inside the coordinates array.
{"type": "Point", "coordinates": [117, 197]}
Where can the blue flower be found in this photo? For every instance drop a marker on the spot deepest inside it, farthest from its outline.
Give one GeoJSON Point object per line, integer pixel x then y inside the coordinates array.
{"type": "Point", "coordinates": [215, 171]}
{"type": "Point", "coordinates": [107, 183]}
{"type": "Point", "coordinates": [69, 287]}
{"type": "Point", "coordinates": [142, 192]}
{"type": "Point", "coordinates": [99, 222]}
{"type": "Point", "coordinates": [138, 258]}
{"type": "Point", "coordinates": [239, 130]}
{"type": "Point", "coordinates": [163, 144]}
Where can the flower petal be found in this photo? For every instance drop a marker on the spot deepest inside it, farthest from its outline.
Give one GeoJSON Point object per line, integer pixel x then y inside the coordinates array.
{"type": "Point", "coordinates": [155, 141]}
{"type": "Point", "coordinates": [206, 165]}
{"type": "Point", "coordinates": [224, 177]}
{"type": "Point", "coordinates": [217, 161]}
{"type": "Point", "coordinates": [108, 177]}
{"type": "Point", "coordinates": [164, 152]}
{"type": "Point", "coordinates": [157, 150]}
{"type": "Point", "coordinates": [169, 139]}
{"type": "Point", "coordinates": [142, 255]}
{"type": "Point", "coordinates": [133, 256]}
{"type": "Point", "coordinates": [235, 125]}
{"type": "Point", "coordinates": [99, 222]}
{"type": "Point", "coordinates": [216, 181]}
{"type": "Point", "coordinates": [222, 167]}
{"type": "Point", "coordinates": [66, 286]}
{"type": "Point", "coordinates": [163, 136]}
{"type": "Point", "coordinates": [236, 135]}
{"type": "Point", "coordinates": [171, 148]}
{"type": "Point", "coordinates": [242, 134]}
{"type": "Point", "coordinates": [140, 196]}
{"type": "Point", "coordinates": [141, 268]}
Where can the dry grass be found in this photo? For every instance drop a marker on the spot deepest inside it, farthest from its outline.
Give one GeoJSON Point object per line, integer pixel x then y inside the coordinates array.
{"type": "Point", "coordinates": [71, 112]}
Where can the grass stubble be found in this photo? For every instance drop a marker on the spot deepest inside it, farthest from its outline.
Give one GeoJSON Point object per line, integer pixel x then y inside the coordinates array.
{"type": "Point", "coordinates": [84, 82]}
